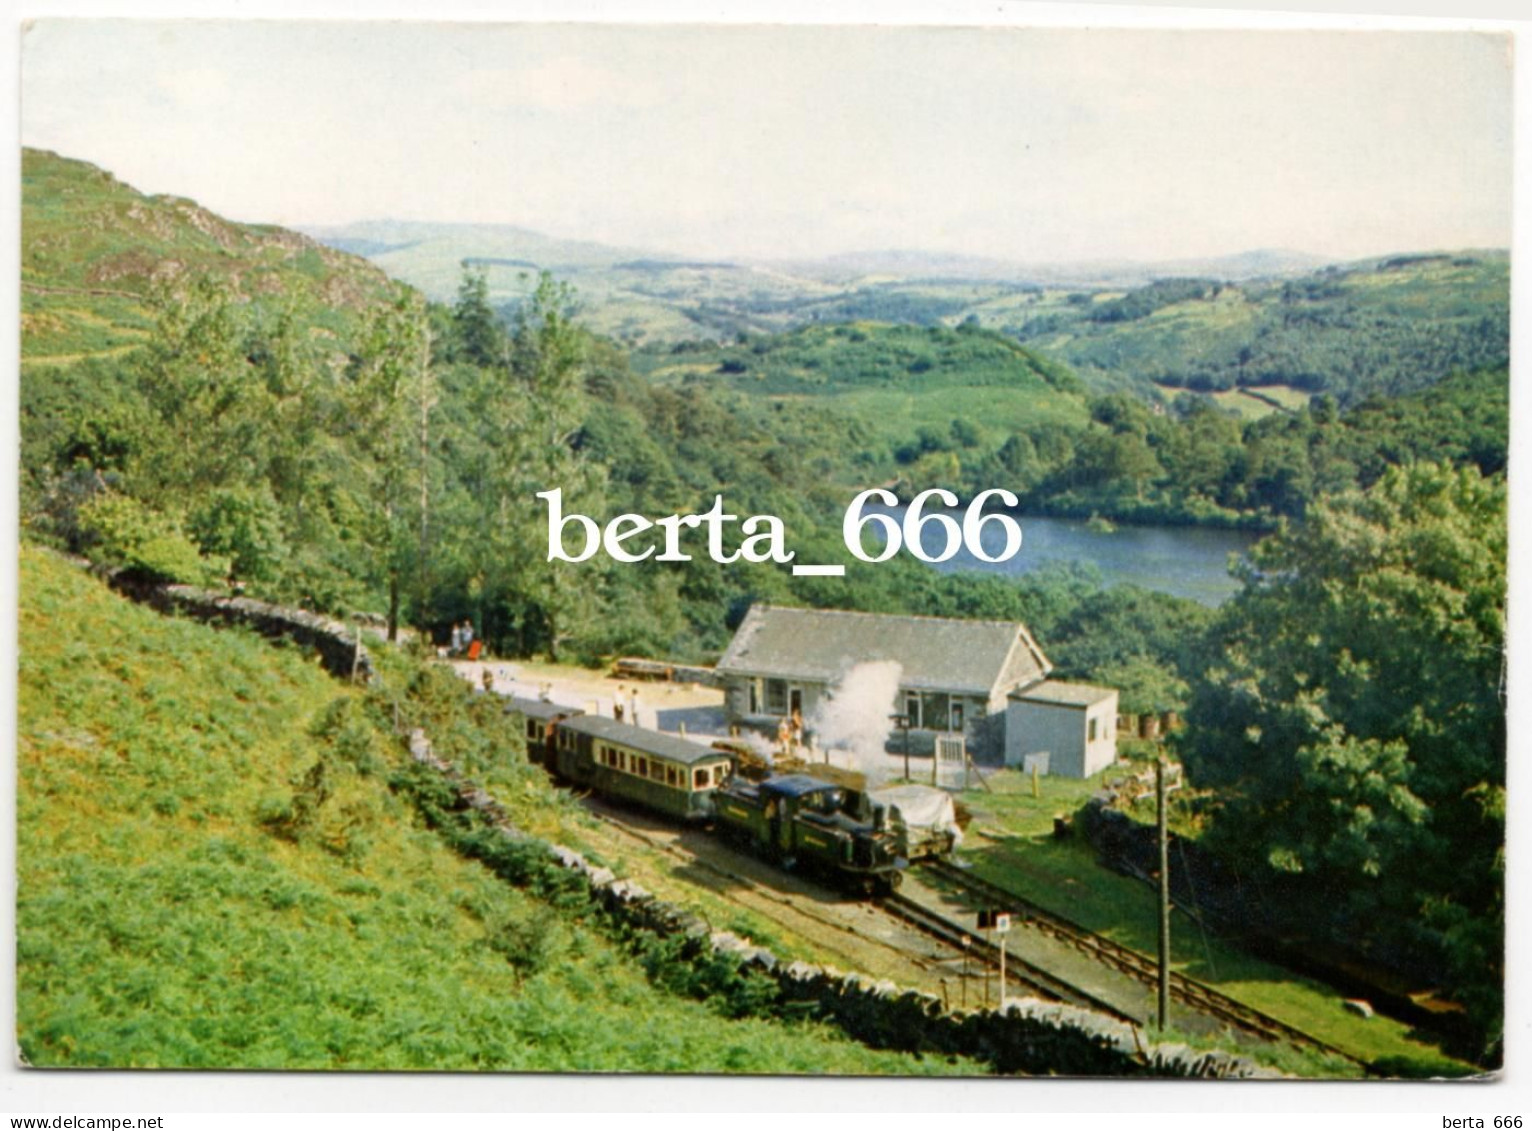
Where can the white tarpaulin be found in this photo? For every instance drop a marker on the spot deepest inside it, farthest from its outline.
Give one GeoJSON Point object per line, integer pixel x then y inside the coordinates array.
{"type": "Point", "coordinates": [927, 815]}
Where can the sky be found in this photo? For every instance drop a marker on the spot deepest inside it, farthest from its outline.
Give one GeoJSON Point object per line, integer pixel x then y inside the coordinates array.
{"type": "Point", "coordinates": [1020, 143]}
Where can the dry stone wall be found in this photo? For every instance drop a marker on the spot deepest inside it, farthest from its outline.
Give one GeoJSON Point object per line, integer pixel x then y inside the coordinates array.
{"type": "Point", "coordinates": [339, 648]}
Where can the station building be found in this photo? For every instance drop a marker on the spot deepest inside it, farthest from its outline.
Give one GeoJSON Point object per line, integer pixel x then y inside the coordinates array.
{"type": "Point", "coordinates": [985, 680]}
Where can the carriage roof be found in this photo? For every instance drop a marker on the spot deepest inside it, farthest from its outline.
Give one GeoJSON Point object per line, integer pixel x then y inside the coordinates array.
{"type": "Point", "coordinates": [537, 708]}
{"type": "Point", "coordinates": [644, 740]}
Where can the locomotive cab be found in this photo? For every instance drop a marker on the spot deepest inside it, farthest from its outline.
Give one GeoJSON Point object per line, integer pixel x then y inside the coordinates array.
{"type": "Point", "coordinates": [799, 820]}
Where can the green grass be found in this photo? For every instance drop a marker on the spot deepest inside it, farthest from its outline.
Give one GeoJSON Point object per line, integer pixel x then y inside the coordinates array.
{"type": "Point", "coordinates": [160, 923]}
{"type": "Point", "coordinates": [93, 251]}
{"type": "Point", "coordinates": [888, 380]}
{"type": "Point", "coordinates": [1020, 854]}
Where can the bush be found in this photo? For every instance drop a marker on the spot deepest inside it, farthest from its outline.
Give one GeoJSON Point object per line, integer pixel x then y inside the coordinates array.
{"type": "Point", "coordinates": [121, 532]}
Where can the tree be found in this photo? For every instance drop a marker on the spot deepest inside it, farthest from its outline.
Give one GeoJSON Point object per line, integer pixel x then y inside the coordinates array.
{"type": "Point", "coordinates": [1350, 715]}
{"type": "Point", "coordinates": [479, 337]}
{"type": "Point", "coordinates": [212, 412]}
{"type": "Point", "coordinates": [388, 405]}
{"type": "Point", "coordinates": [523, 432]}
{"type": "Point", "coordinates": [547, 356]}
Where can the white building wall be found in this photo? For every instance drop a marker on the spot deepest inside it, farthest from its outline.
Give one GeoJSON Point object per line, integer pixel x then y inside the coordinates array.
{"type": "Point", "coordinates": [1062, 733]}
{"type": "Point", "coordinates": [1102, 752]}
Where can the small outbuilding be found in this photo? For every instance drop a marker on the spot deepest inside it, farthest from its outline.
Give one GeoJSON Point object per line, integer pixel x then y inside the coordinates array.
{"type": "Point", "coordinates": [1068, 729]}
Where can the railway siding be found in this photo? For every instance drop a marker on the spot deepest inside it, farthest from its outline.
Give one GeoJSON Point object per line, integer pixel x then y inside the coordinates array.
{"type": "Point", "coordinates": [1190, 993]}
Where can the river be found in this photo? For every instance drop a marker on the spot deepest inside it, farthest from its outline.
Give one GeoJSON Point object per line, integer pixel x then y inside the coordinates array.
{"type": "Point", "coordinates": [1186, 561]}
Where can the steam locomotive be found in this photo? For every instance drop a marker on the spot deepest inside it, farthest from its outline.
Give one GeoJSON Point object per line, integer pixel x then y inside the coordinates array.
{"type": "Point", "coordinates": [795, 820]}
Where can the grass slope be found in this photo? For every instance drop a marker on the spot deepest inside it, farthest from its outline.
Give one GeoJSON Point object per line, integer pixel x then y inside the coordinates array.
{"type": "Point", "coordinates": [890, 379]}
{"type": "Point", "coordinates": [161, 923]}
{"type": "Point", "coordinates": [93, 251]}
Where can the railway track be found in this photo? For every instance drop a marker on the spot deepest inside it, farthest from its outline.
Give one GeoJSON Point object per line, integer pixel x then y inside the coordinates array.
{"type": "Point", "coordinates": [756, 890]}
{"type": "Point", "coordinates": [1017, 969]}
{"type": "Point", "coordinates": [1189, 991]}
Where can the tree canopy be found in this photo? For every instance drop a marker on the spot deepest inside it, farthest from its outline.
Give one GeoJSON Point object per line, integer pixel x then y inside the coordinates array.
{"type": "Point", "coordinates": [1350, 713]}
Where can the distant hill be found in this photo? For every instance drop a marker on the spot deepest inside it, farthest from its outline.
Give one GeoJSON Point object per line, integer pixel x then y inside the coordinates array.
{"type": "Point", "coordinates": [1381, 326]}
{"type": "Point", "coordinates": [924, 265]}
{"type": "Point", "coordinates": [1272, 318]}
{"type": "Point", "coordinates": [887, 381]}
{"type": "Point", "coordinates": [649, 296]}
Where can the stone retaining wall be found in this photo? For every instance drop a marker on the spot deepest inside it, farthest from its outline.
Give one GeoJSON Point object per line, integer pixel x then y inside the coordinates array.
{"type": "Point", "coordinates": [339, 649]}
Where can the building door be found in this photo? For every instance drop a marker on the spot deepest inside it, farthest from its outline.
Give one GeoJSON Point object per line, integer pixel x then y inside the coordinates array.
{"type": "Point", "coordinates": [957, 716]}
{"type": "Point", "coordinates": [795, 701]}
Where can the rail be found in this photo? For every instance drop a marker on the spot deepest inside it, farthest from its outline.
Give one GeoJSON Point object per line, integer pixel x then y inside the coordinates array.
{"type": "Point", "coordinates": [1197, 995]}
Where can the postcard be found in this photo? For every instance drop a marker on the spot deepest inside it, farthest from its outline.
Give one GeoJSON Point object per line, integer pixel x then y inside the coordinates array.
{"type": "Point", "coordinates": [763, 550]}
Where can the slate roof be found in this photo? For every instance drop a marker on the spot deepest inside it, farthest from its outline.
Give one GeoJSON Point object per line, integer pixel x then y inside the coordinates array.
{"type": "Point", "coordinates": [1064, 694]}
{"type": "Point", "coordinates": [642, 739]}
{"type": "Point", "coordinates": [935, 653]}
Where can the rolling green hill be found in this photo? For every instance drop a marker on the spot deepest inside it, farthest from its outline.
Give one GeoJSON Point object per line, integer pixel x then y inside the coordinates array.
{"type": "Point", "coordinates": [95, 253]}
{"type": "Point", "coordinates": [893, 380]}
{"type": "Point", "coordinates": [173, 913]}
{"type": "Point", "coordinates": [1388, 327]}
{"type": "Point", "coordinates": [1264, 319]}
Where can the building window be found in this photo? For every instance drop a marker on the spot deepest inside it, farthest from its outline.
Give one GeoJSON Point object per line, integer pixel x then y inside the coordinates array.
{"type": "Point", "coordinates": [776, 696]}
{"type": "Point", "coordinates": [1092, 736]}
{"type": "Point", "coordinates": [933, 711]}
{"type": "Point", "coordinates": [912, 709]}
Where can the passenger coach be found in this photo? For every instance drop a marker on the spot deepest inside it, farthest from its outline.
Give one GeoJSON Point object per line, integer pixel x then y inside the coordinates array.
{"type": "Point", "coordinates": [660, 771]}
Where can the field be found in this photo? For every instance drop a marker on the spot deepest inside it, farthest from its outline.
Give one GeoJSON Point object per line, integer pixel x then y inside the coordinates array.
{"type": "Point", "coordinates": [1251, 403]}
{"type": "Point", "coordinates": [890, 380]}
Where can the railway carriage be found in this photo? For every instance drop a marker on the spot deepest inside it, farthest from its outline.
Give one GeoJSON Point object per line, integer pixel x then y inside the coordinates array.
{"type": "Point", "coordinates": [539, 721]}
{"type": "Point", "coordinates": [659, 771]}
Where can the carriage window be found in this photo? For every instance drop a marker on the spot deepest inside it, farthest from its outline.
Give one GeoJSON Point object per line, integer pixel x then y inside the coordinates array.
{"type": "Point", "coordinates": [700, 779]}
{"type": "Point", "coordinates": [641, 766]}
{"type": "Point", "coordinates": [531, 728]}
{"type": "Point", "coordinates": [671, 777]}
{"type": "Point", "coordinates": [622, 760]}
{"type": "Point", "coordinates": [657, 771]}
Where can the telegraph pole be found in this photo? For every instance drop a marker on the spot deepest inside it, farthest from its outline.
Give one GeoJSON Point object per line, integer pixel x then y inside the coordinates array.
{"type": "Point", "coordinates": [1164, 837]}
